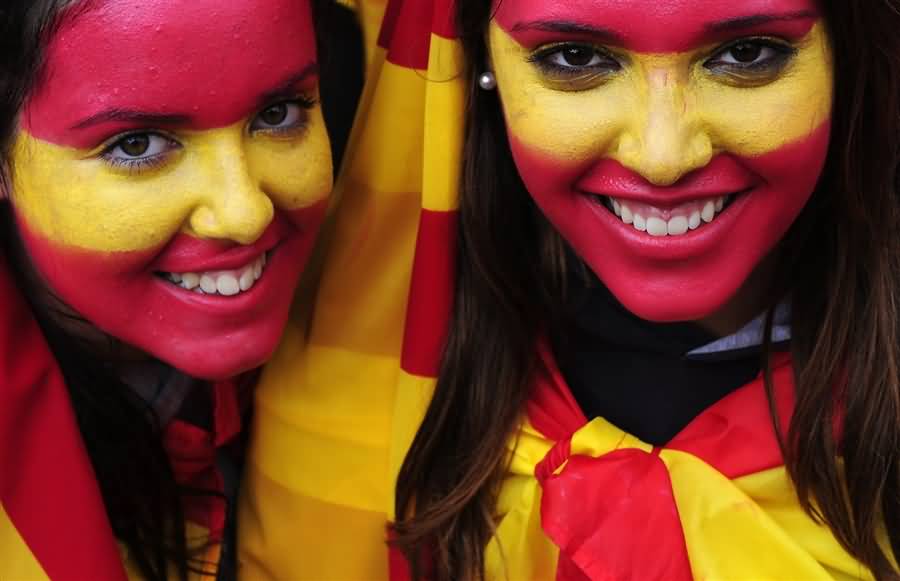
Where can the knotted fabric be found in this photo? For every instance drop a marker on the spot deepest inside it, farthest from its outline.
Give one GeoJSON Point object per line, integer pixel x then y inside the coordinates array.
{"type": "Point", "coordinates": [586, 501]}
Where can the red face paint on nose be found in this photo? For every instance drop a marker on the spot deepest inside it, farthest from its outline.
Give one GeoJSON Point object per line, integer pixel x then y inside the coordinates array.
{"type": "Point", "coordinates": [196, 64]}
{"type": "Point", "coordinates": [652, 26]}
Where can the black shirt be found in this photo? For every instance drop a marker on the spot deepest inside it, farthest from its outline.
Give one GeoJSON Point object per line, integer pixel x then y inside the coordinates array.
{"type": "Point", "coordinates": [635, 373]}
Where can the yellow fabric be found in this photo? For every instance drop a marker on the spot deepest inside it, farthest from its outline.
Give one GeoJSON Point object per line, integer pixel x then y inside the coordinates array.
{"type": "Point", "coordinates": [320, 459]}
{"type": "Point", "coordinates": [748, 528]}
{"type": "Point", "coordinates": [16, 561]}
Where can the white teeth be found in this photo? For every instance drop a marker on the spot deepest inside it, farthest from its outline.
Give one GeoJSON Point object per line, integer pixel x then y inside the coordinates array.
{"type": "Point", "coordinates": [247, 278]}
{"type": "Point", "coordinates": [676, 225]}
{"type": "Point", "coordinates": [225, 283]}
{"type": "Point", "coordinates": [189, 280]}
{"type": "Point", "coordinates": [639, 223]}
{"type": "Point", "coordinates": [656, 226]}
{"type": "Point", "coordinates": [208, 284]}
{"type": "Point", "coordinates": [694, 220]}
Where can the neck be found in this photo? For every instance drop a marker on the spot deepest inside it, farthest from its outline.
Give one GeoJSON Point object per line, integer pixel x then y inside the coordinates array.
{"type": "Point", "coordinates": [754, 296]}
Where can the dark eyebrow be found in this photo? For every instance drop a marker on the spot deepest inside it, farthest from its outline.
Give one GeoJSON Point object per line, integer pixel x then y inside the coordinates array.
{"type": "Point", "coordinates": [607, 35]}
{"type": "Point", "coordinates": [288, 87]}
{"type": "Point", "coordinates": [745, 22]}
{"type": "Point", "coordinates": [136, 117]}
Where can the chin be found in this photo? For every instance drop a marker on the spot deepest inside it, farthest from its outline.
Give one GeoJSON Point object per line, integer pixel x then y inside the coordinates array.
{"type": "Point", "coordinates": [673, 300]}
{"type": "Point", "coordinates": [216, 360]}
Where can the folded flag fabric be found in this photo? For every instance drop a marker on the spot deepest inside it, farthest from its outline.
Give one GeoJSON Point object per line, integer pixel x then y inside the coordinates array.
{"type": "Point", "coordinates": [52, 521]}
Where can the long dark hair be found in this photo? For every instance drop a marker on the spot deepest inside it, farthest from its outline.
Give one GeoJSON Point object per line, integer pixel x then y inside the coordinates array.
{"type": "Point", "coordinates": [121, 431]}
{"type": "Point", "coordinates": [842, 257]}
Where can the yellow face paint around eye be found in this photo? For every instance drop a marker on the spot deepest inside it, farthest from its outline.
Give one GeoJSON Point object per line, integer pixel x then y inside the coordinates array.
{"type": "Point", "coordinates": [663, 105]}
{"type": "Point", "coordinates": [221, 183]}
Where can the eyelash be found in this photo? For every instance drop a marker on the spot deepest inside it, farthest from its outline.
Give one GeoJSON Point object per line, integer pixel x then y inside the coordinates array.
{"type": "Point", "coordinates": [139, 164]}
{"type": "Point", "coordinates": [541, 58]}
{"type": "Point", "coordinates": [783, 52]}
{"type": "Point", "coordinates": [305, 103]}
{"type": "Point", "coordinates": [136, 165]}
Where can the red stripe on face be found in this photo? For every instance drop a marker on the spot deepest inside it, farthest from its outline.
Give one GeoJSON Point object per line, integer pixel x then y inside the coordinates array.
{"type": "Point", "coordinates": [666, 26]}
{"type": "Point", "coordinates": [686, 277]}
{"type": "Point", "coordinates": [206, 336]}
{"type": "Point", "coordinates": [47, 485]}
{"type": "Point", "coordinates": [196, 64]}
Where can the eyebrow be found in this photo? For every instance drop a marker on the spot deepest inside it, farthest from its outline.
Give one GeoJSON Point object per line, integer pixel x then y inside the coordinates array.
{"type": "Point", "coordinates": [745, 22]}
{"type": "Point", "coordinates": [140, 117]}
{"type": "Point", "coordinates": [286, 88]}
{"type": "Point", "coordinates": [568, 27]}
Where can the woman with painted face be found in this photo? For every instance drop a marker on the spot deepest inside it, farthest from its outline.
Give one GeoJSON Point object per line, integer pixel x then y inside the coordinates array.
{"type": "Point", "coordinates": [675, 346]}
{"type": "Point", "coordinates": [166, 169]}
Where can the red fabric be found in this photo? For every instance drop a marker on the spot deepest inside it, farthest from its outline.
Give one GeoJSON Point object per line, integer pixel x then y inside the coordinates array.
{"type": "Point", "coordinates": [47, 485]}
{"type": "Point", "coordinates": [398, 566]}
{"type": "Point", "coordinates": [430, 294]}
{"type": "Point", "coordinates": [406, 32]}
{"type": "Point", "coordinates": [606, 514]}
{"type": "Point", "coordinates": [192, 451]}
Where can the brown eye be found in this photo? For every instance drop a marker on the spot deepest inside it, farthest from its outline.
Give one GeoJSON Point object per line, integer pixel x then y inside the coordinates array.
{"type": "Point", "coordinates": [577, 56]}
{"type": "Point", "coordinates": [746, 52]}
{"type": "Point", "coordinates": [135, 145]}
{"type": "Point", "coordinates": [274, 115]}
{"type": "Point", "coordinates": [282, 118]}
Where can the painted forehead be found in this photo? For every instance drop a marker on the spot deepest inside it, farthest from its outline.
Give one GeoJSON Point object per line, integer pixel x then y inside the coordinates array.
{"type": "Point", "coordinates": [196, 63]}
{"type": "Point", "coordinates": [654, 26]}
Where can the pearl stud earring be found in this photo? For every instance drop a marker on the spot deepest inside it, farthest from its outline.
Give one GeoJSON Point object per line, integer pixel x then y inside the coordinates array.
{"type": "Point", "coordinates": [487, 81]}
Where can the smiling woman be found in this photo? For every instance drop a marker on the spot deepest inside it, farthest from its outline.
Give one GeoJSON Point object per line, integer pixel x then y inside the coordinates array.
{"type": "Point", "coordinates": [673, 352]}
{"type": "Point", "coordinates": [166, 169]}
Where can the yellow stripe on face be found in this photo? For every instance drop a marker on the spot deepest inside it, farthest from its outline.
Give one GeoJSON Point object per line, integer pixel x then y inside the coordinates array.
{"type": "Point", "coordinates": [662, 112]}
{"type": "Point", "coordinates": [221, 183]}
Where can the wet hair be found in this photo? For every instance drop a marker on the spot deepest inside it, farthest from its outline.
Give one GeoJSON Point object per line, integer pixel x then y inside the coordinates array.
{"type": "Point", "coordinates": [121, 432]}
{"type": "Point", "coordinates": [841, 257]}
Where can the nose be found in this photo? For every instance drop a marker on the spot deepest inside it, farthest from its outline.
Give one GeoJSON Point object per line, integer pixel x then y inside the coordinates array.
{"type": "Point", "coordinates": [665, 139]}
{"type": "Point", "coordinates": [231, 202]}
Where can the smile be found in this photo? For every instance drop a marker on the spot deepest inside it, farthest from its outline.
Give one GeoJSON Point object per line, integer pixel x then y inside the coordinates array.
{"type": "Point", "coordinates": [672, 221]}
{"type": "Point", "coordinates": [220, 282]}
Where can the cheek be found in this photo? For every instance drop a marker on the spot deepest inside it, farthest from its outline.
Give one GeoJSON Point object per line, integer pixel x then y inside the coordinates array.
{"type": "Point", "coordinates": [297, 173]}
{"type": "Point", "coordinates": [571, 126]}
{"type": "Point", "coordinates": [79, 203]}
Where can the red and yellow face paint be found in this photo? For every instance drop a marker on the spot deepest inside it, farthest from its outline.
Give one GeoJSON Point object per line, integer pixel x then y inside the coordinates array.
{"type": "Point", "coordinates": [673, 142]}
{"type": "Point", "coordinates": [172, 171]}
